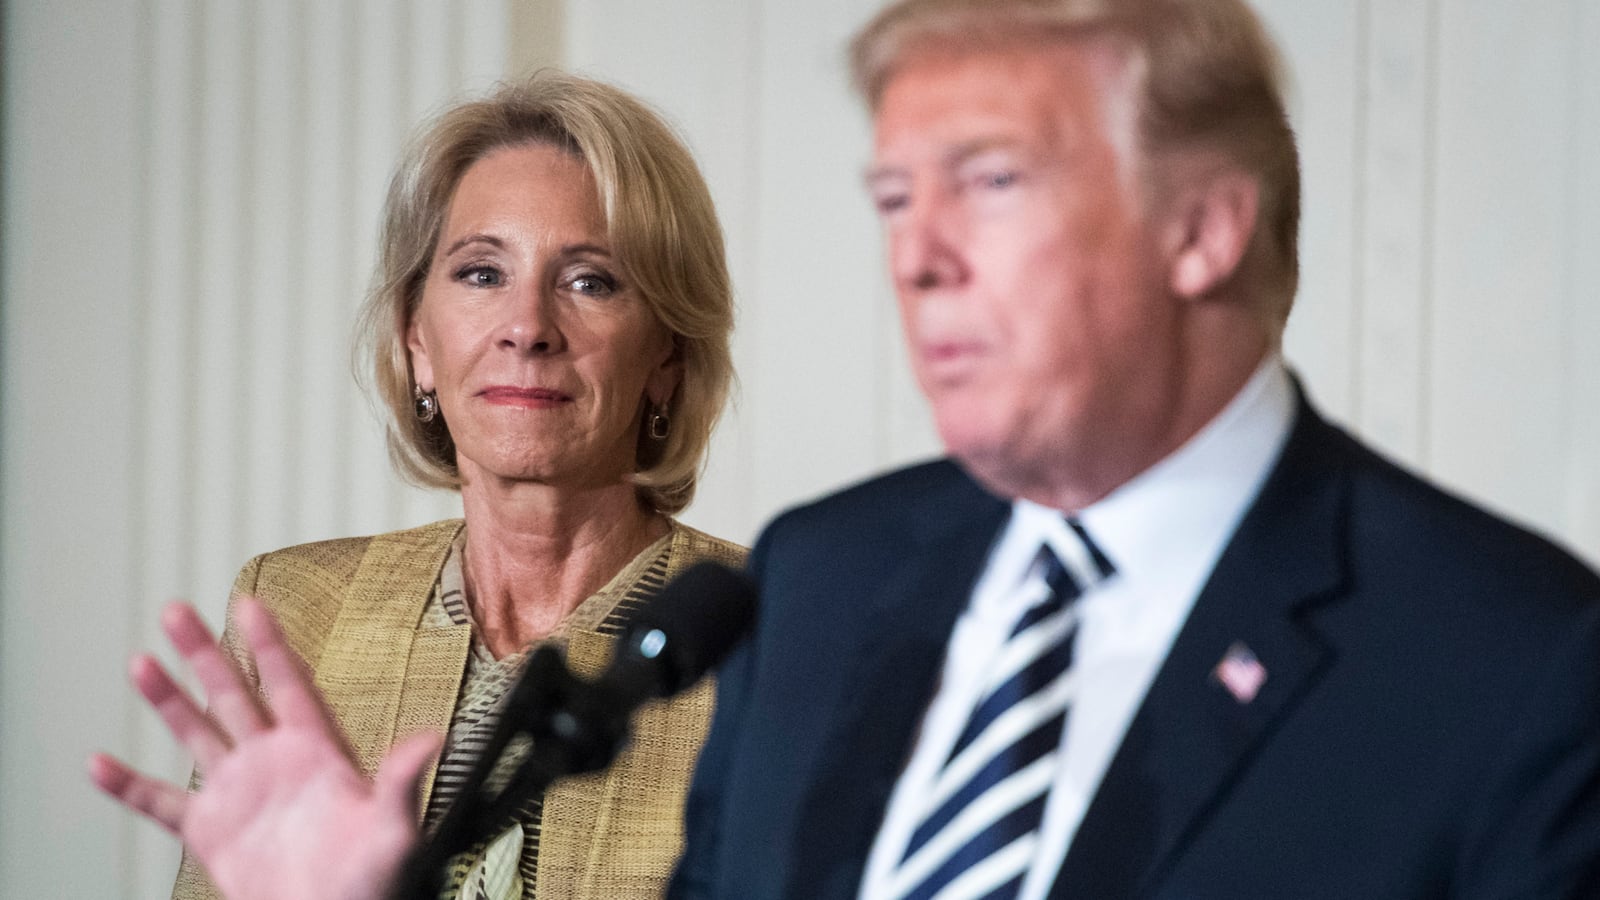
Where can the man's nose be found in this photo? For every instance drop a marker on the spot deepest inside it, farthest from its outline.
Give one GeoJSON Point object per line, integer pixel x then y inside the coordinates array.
{"type": "Point", "coordinates": [531, 323]}
{"type": "Point", "coordinates": [926, 245]}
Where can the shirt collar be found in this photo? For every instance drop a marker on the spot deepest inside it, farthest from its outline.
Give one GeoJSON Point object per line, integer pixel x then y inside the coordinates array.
{"type": "Point", "coordinates": [1181, 511]}
{"type": "Point", "coordinates": [1174, 517]}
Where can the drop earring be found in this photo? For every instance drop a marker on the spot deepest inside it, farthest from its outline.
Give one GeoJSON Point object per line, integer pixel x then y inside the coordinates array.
{"type": "Point", "coordinates": [660, 426]}
{"type": "Point", "coordinates": [427, 404]}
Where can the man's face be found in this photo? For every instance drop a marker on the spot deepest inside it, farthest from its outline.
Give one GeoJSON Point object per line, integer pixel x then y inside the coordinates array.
{"type": "Point", "coordinates": [1030, 282]}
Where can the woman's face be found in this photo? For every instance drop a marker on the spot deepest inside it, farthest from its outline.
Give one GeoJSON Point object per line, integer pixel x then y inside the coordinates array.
{"type": "Point", "coordinates": [542, 356]}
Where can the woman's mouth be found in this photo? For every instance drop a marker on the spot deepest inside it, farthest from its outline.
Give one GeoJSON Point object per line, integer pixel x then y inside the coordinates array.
{"type": "Point", "coordinates": [528, 397]}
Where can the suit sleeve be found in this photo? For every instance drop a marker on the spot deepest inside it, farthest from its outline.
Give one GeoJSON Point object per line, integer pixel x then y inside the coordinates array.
{"type": "Point", "coordinates": [696, 875]}
{"type": "Point", "coordinates": [1536, 830]}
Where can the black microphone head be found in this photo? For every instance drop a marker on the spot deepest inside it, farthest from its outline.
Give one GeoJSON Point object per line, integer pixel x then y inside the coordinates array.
{"type": "Point", "coordinates": [689, 625]}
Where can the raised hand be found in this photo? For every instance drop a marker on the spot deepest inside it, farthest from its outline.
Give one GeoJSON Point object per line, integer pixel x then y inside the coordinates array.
{"type": "Point", "coordinates": [283, 811]}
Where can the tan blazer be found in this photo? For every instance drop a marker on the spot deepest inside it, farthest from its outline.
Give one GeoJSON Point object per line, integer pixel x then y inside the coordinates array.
{"type": "Point", "coordinates": [352, 609]}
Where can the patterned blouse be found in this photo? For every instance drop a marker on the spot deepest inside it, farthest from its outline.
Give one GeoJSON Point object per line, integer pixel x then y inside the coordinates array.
{"type": "Point", "coordinates": [506, 867]}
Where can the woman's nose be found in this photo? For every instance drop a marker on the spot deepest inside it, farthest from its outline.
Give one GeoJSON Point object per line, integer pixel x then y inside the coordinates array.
{"type": "Point", "coordinates": [531, 324]}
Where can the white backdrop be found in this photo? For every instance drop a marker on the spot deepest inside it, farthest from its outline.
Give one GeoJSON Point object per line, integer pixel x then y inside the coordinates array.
{"type": "Point", "coordinates": [190, 196]}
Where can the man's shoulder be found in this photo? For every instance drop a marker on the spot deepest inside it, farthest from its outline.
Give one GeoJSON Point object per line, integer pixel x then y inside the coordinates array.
{"type": "Point", "coordinates": [913, 497]}
{"type": "Point", "coordinates": [1467, 542]}
{"type": "Point", "coordinates": [867, 531]}
{"type": "Point", "coordinates": [1397, 513]}
{"type": "Point", "coordinates": [906, 491]}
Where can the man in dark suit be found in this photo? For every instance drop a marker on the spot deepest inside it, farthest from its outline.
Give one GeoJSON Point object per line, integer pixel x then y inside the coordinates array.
{"type": "Point", "coordinates": [1155, 629]}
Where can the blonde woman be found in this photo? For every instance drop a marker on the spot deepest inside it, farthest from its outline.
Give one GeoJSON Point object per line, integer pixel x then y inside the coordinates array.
{"type": "Point", "coordinates": [549, 333]}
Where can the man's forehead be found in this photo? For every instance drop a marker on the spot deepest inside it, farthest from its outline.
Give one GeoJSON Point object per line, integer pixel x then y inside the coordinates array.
{"type": "Point", "coordinates": [950, 155]}
{"type": "Point", "coordinates": [945, 108]}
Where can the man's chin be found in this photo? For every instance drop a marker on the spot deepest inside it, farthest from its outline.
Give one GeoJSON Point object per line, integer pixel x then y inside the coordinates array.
{"type": "Point", "coordinates": [1010, 468]}
{"type": "Point", "coordinates": [990, 462]}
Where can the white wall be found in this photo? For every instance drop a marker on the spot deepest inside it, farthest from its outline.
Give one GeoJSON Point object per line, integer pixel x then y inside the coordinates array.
{"type": "Point", "coordinates": [1450, 308]}
{"type": "Point", "coordinates": [189, 206]}
{"type": "Point", "coordinates": [759, 90]}
{"type": "Point", "coordinates": [190, 215]}
{"type": "Point", "coordinates": [1448, 311]}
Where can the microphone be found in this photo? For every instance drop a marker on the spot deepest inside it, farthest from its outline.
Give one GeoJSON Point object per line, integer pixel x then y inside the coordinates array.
{"type": "Point", "coordinates": [681, 633]}
{"type": "Point", "coordinates": [575, 725]}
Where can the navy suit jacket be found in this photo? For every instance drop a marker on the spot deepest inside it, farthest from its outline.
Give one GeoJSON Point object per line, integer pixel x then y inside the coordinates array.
{"type": "Point", "coordinates": [1429, 725]}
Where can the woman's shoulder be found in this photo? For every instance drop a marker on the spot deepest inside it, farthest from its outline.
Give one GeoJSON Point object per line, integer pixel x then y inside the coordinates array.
{"type": "Point", "coordinates": [692, 545]}
{"type": "Point", "coordinates": [306, 585]}
{"type": "Point", "coordinates": [320, 572]}
{"type": "Point", "coordinates": [341, 557]}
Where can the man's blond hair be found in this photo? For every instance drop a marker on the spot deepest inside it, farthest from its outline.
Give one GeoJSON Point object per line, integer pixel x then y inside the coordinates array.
{"type": "Point", "coordinates": [1208, 78]}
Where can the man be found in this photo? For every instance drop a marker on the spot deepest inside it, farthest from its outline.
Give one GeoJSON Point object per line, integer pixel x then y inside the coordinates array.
{"type": "Point", "coordinates": [1155, 629]}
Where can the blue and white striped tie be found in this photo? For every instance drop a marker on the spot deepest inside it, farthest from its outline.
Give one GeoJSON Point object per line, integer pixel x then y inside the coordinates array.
{"type": "Point", "coordinates": [980, 837]}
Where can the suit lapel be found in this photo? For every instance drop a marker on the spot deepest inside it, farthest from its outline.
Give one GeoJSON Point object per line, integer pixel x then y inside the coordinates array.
{"type": "Point", "coordinates": [1192, 736]}
{"type": "Point", "coordinates": [363, 668]}
{"type": "Point", "coordinates": [894, 673]}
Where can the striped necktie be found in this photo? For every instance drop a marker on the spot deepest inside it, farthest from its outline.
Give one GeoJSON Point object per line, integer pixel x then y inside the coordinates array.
{"type": "Point", "coordinates": [980, 836]}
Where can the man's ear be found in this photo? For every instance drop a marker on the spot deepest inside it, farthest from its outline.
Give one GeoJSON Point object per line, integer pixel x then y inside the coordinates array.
{"type": "Point", "coordinates": [1209, 231]}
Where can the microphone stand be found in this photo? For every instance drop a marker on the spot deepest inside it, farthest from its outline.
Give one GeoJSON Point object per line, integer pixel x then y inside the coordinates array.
{"type": "Point", "coordinates": [575, 726]}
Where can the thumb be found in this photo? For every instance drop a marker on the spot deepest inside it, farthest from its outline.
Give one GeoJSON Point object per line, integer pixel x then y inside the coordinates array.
{"type": "Point", "coordinates": [398, 783]}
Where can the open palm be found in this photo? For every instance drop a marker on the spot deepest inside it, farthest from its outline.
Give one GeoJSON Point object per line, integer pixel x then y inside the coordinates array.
{"type": "Point", "coordinates": [283, 811]}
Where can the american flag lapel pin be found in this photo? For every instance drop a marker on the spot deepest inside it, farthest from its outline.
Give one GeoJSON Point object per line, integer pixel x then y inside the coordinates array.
{"type": "Point", "coordinates": [1240, 672]}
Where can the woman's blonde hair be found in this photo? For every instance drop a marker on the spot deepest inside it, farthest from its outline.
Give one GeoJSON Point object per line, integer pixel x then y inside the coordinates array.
{"type": "Point", "coordinates": [663, 233]}
{"type": "Point", "coordinates": [1209, 77]}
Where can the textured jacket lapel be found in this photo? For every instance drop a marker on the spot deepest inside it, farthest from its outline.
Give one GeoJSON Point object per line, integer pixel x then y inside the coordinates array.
{"type": "Point", "coordinates": [894, 673]}
{"type": "Point", "coordinates": [1192, 736]}
{"type": "Point", "coordinates": [574, 826]}
{"type": "Point", "coordinates": [376, 668]}
{"type": "Point", "coordinates": [574, 830]}
{"type": "Point", "coordinates": [585, 852]}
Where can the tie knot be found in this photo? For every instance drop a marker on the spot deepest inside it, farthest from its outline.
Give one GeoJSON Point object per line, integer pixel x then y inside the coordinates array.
{"type": "Point", "coordinates": [1103, 568]}
{"type": "Point", "coordinates": [1069, 579]}
{"type": "Point", "coordinates": [1060, 581]}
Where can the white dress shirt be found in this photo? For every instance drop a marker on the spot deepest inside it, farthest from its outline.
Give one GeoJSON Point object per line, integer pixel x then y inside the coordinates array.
{"type": "Point", "coordinates": [1163, 531]}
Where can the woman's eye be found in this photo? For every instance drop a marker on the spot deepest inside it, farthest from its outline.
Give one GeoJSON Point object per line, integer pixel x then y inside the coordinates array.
{"type": "Point", "coordinates": [598, 285]}
{"type": "Point", "coordinates": [480, 276]}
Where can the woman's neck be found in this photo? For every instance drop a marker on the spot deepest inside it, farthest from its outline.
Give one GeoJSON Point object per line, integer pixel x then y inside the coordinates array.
{"type": "Point", "coordinates": [534, 553]}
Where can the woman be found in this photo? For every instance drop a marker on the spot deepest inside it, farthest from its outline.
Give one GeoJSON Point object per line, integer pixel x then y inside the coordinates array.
{"type": "Point", "coordinates": [549, 332]}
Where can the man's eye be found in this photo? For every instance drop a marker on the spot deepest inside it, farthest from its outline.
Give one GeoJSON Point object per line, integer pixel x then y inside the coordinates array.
{"type": "Point", "coordinates": [480, 276]}
{"type": "Point", "coordinates": [890, 203]}
{"type": "Point", "coordinates": [996, 180]}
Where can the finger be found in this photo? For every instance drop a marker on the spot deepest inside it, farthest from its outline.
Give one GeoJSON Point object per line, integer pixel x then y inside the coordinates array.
{"type": "Point", "coordinates": [183, 717]}
{"type": "Point", "coordinates": [287, 682]}
{"type": "Point", "coordinates": [398, 784]}
{"type": "Point", "coordinates": [230, 698]}
{"type": "Point", "coordinates": [156, 800]}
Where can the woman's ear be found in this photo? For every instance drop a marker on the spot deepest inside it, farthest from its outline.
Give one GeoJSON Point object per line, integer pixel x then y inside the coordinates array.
{"type": "Point", "coordinates": [1210, 231]}
{"type": "Point", "coordinates": [665, 378]}
{"type": "Point", "coordinates": [421, 367]}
